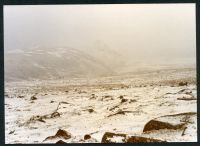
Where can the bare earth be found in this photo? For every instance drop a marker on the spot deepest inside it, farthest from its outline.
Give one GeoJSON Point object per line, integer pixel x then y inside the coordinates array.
{"type": "Point", "coordinates": [35, 110]}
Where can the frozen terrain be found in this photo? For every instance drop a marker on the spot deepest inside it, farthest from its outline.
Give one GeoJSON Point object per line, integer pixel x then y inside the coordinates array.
{"type": "Point", "coordinates": [109, 73]}
{"type": "Point", "coordinates": [84, 109]}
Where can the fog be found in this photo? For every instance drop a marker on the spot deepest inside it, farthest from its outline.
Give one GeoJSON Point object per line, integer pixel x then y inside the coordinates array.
{"type": "Point", "coordinates": [137, 31]}
{"type": "Point", "coordinates": [100, 73]}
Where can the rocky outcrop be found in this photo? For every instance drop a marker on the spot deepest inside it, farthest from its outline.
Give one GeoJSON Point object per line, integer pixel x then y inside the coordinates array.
{"type": "Point", "coordinates": [157, 125]}
{"type": "Point", "coordinates": [60, 134]}
{"type": "Point", "coordinates": [174, 122]}
{"type": "Point", "coordinates": [142, 139]}
{"type": "Point", "coordinates": [109, 137]}
{"type": "Point", "coordinates": [60, 142]}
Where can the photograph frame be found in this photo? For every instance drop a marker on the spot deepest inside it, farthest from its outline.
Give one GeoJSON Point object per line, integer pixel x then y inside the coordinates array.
{"type": "Point", "coordinates": [60, 2]}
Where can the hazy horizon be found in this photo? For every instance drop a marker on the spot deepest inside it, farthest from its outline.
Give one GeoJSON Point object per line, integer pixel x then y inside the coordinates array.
{"type": "Point", "coordinates": [97, 39]}
{"type": "Point", "coordinates": [136, 30]}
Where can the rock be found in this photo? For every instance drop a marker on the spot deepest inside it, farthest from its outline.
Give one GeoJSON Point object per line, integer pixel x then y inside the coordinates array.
{"type": "Point", "coordinates": [123, 100]}
{"type": "Point", "coordinates": [132, 100]}
{"type": "Point", "coordinates": [60, 134]}
{"type": "Point", "coordinates": [175, 122]}
{"type": "Point", "coordinates": [157, 125]}
{"type": "Point", "coordinates": [20, 96]}
{"type": "Point", "coordinates": [121, 97]}
{"type": "Point", "coordinates": [141, 139]}
{"type": "Point", "coordinates": [60, 142]}
{"type": "Point", "coordinates": [11, 132]}
{"type": "Point", "coordinates": [52, 101]}
{"type": "Point", "coordinates": [33, 119]}
{"type": "Point", "coordinates": [124, 86]}
{"type": "Point", "coordinates": [187, 97]}
{"type": "Point", "coordinates": [87, 136]}
{"type": "Point", "coordinates": [93, 96]}
{"type": "Point", "coordinates": [185, 91]}
{"type": "Point", "coordinates": [41, 120]}
{"type": "Point", "coordinates": [109, 137]}
{"type": "Point", "coordinates": [33, 98]}
{"type": "Point", "coordinates": [182, 83]}
{"type": "Point", "coordinates": [55, 114]}
{"type": "Point", "coordinates": [90, 110]}
{"type": "Point", "coordinates": [107, 96]}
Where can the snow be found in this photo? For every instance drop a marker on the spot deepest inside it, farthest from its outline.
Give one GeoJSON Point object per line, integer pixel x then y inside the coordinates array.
{"type": "Point", "coordinates": [146, 100]}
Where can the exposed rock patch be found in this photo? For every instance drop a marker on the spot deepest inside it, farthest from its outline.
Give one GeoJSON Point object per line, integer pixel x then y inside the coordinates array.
{"type": "Point", "coordinates": [55, 114]}
{"type": "Point", "coordinates": [20, 96]}
{"type": "Point", "coordinates": [157, 125]}
{"type": "Point", "coordinates": [60, 134]}
{"type": "Point", "coordinates": [174, 122]}
{"type": "Point", "coordinates": [124, 100]}
{"type": "Point", "coordinates": [87, 136]}
{"type": "Point", "coordinates": [141, 139]}
{"type": "Point", "coordinates": [182, 83]}
{"type": "Point", "coordinates": [60, 142]}
{"type": "Point", "coordinates": [33, 98]}
{"type": "Point", "coordinates": [108, 137]}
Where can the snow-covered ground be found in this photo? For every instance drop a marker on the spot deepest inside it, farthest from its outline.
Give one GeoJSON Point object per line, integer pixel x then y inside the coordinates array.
{"type": "Point", "coordinates": [118, 104]}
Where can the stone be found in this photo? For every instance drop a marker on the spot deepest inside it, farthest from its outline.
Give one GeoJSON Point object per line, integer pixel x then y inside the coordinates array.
{"type": "Point", "coordinates": [87, 136]}
{"type": "Point", "coordinates": [33, 98]}
{"type": "Point", "coordinates": [60, 142]}
{"type": "Point", "coordinates": [141, 139]}
{"type": "Point", "coordinates": [60, 134]}
{"type": "Point", "coordinates": [107, 137]}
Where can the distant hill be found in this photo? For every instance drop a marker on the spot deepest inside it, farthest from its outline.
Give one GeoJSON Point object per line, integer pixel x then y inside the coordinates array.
{"type": "Point", "coordinates": [52, 63]}
{"type": "Point", "coordinates": [66, 62]}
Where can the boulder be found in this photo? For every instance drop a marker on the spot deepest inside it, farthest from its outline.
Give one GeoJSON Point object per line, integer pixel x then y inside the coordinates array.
{"type": "Point", "coordinates": [124, 100]}
{"type": "Point", "coordinates": [55, 114]}
{"type": "Point", "coordinates": [157, 125]}
{"type": "Point", "coordinates": [90, 110]}
{"type": "Point", "coordinates": [60, 142]}
{"type": "Point", "coordinates": [60, 134]}
{"type": "Point", "coordinates": [33, 98]}
{"type": "Point", "coordinates": [141, 139]}
{"type": "Point", "coordinates": [87, 136]}
{"type": "Point", "coordinates": [174, 122]}
{"type": "Point", "coordinates": [109, 137]}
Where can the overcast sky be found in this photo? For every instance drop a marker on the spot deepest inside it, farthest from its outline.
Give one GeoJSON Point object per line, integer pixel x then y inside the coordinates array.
{"type": "Point", "coordinates": [158, 30]}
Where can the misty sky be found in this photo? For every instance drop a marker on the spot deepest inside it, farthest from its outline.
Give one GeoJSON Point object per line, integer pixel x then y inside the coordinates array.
{"type": "Point", "coordinates": [158, 30]}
